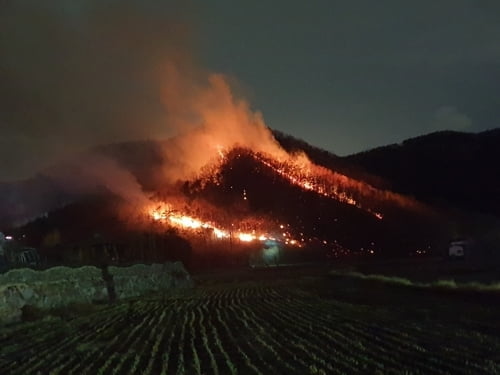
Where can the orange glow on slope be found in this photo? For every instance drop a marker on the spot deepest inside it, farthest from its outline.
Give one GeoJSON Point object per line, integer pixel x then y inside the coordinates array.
{"type": "Point", "coordinates": [246, 237]}
{"type": "Point", "coordinates": [298, 170]}
{"type": "Point", "coordinates": [164, 213]}
{"type": "Point", "coordinates": [184, 221]}
{"type": "Point", "coordinates": [301, 172]}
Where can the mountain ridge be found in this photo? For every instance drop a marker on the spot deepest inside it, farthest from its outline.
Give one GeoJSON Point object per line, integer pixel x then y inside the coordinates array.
{"type": "Point", "coordinates": [385, 167]}
{"type": "Point", "coordinates": [450, 169]}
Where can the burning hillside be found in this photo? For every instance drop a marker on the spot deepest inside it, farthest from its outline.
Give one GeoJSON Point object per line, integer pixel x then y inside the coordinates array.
{"type": "Point", "coordinates": [223, 182]}
{"type": "Point", "coordinates": [244, 196]}
{"type": "Point", "coordinates": [243, 201]}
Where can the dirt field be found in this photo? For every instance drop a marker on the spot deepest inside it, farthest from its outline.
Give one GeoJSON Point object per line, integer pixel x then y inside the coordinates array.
{"type": "Point", "coordinates": [292, 322]}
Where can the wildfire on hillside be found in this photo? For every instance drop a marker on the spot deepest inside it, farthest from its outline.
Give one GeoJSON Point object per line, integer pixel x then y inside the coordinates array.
{"type": "Point", "coordinates": [300, 172]}
{"type": "Point", "coordinates": [164, 213]}
{"type": "Point", "coordinates": [219, 124]}
{"type": "Point", "coordinates": [295, 169]}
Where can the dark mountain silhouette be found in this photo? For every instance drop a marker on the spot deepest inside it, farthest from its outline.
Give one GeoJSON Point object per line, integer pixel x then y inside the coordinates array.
{"type": "Point", "coordinates": [22, 201]}
{"type": "Point", "coordinates": [451, 169]}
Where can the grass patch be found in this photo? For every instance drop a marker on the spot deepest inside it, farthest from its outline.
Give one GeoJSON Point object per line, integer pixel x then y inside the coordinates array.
{"type": "Point", "coordinates": [450, 285]}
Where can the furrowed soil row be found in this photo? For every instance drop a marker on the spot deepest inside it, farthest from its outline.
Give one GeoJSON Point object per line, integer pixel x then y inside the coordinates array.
{"type": "Point", "coordinates": [284, 310]}
{"type": "Point", "coordinates": [194, 365]}
{"type": "Point", "coordinates": [138, 349]}
{"type": "Point", "coordinates": [207, 358]}
{"type": "Point", "coordinates": [223, 334]}
{"type": "Point", "coordinates": [33, 342]}
{"type": "Point", "coordinates": [432, 331]}
{"type": "Point", "coordinates": [165, 347]}
{"type": "Point", "coordinates": [72, 348]}
{"type": "Point", "coordinates": [336, 358]}
{"type": "Point", "coordinates": [133, 337]}
{"type": "Point", "coordinates": [248, 345]}
{"type": "Point", "coordinates": [270, 340]}
{"type": "Point", "coordinates": [275, 339]}
{"type": "Point", "coordinates": [212, 342]}
{"type": "Point", "coordinates": [70, 334]}
{"type": "Point", "coordinates": [414, 345]}
{"type": "Point", "coordinates": [143, 345]}
{"type": "Point", "coordinates": [176, 349]}
{"type": "Point", "coordinates": [245, 363]}
{"type": "Point", "coordinates": [412, 353]}
{"type": "Point", "coordinates": [255, 324]}
{"type": "Point", "coordinates": [180, 368]}
{"type": "Point", "coordinates": [348, 328]}
{"type": "Point", "coordinates": [346, 335]}
{"type": "Point", "coordinates": [154, 363]}
{"type": "Point", "coordinates": [224, 364]}
{"type": "Point", "coordinates": [304, 342]}
{"type": "Point", "coordinates": [126, 347]}
{"type": "Point", "coordinates": [247, 330]}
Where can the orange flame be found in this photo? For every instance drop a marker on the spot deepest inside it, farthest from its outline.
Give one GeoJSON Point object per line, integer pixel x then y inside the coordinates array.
{"type": "Point", "coordinates": [301, 172]}
{"type": "Point", "coordinates": [164, 213]}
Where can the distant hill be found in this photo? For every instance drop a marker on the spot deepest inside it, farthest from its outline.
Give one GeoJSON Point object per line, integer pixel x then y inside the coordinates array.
{"type": "Point", "coordinates": [21, 201]}
{"type": "Point", "coordinates": [25, 200]}
{"type": "Point", "coordinates": [453, 169]}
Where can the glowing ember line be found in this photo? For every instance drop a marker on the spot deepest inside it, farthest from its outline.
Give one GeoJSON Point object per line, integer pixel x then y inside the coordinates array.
{"type": "Point", "coordinates": [188, 222]}
{"type": "Point", "coordinates": [220, 151]}
{"type": "Point", "coordinates": [246, 237]}
{"type": "Point", "coordinates": [300, 176]}
{"type": "Point", "coordinates": [220, 233]}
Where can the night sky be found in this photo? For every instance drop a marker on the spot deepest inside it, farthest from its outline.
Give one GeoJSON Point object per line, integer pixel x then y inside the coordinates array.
{"type": "Point", "coordinates": [352, 75]}
{"type": "Point", "coordinates": [343, 75]}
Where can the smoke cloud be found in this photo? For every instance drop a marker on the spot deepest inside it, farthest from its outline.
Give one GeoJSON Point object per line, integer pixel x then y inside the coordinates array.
{"type": "Point", "coordinates": [94, 72]}
{"type": "Point", "coordinates": [209, 118]}
{"type": "Point", "coordinates": [80, 73]}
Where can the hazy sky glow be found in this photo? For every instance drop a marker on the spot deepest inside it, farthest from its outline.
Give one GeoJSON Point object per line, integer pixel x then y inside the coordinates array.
{"type": "Point", "coordinates": [345, 76]}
